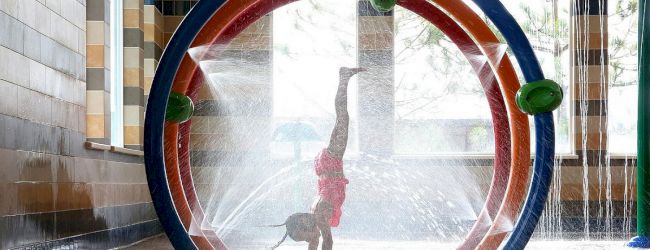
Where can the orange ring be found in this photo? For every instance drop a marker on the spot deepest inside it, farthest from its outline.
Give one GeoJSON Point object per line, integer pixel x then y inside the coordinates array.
{"type": "Point", "coordinates": [176, 187]}
{"type": "Point", "coordinates": [207, 239]}
{"type": "Point", "coordinates": [507, 78]}
{"type": "Point", "coordinates": [516, 190]}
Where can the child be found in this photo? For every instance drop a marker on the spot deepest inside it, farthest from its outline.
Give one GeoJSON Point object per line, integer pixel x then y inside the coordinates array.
{"type": "Point", "coordinates": [326, 211]}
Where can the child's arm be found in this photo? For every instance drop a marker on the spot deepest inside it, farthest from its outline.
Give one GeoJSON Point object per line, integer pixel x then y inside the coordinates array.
{"type": "Point", "coordinates": [339, 137]}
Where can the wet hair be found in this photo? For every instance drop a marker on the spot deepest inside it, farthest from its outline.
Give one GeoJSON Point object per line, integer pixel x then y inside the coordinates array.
{"type": "Point", "coordinates": [296, 223]}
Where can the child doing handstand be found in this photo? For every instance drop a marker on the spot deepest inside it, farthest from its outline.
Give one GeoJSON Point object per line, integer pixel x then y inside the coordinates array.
{"type": "Point", "coordinates": [326, 211]}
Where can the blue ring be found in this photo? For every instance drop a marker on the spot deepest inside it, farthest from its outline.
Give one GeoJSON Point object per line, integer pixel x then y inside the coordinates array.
{"type": "Point", "coordinates": [194, 22]}
{"type": "Point", "coordinates": [544, 127]}
{"type": "Point", "coordinates": [155, 121]}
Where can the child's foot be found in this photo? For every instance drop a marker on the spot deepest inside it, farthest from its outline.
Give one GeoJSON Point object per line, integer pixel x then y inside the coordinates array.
{"type": "Point", "coordinates": [346, 72]}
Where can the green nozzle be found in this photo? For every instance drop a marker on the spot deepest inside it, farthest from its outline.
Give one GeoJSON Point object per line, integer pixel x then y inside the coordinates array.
{"type": "Point", "coordinates": [539, 97]}
{"type": "Point", "coordinates": [383, 5]}
{"type": "Point", "coordinates": [179, 108]}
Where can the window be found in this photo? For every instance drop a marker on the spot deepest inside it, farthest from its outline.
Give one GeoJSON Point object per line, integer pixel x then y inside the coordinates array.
{"type": "Point", "coordinates": [432, 77]}
{"type": "Point", "coordinates": [308, 49]}
{"type": "Point", "coordinates": [623, 92]}
{"type": "Point", "coordinates": [116, 98]}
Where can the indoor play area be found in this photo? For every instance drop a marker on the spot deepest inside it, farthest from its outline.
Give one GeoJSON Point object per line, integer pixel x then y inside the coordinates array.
{"type": "Point", "coordinates": [325, 124]}
{"type": "Point", "coordinates": [459, 125]}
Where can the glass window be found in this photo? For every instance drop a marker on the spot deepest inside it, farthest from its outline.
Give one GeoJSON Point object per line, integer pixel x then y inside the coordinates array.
{"type": "Point", "coordinates": [433, 78]}
{"type": "Point", "coordinates": [623, 92]}
{"type": "Point", "coordinates": [116, 30]}
{"type": "Point", "coordinates": [306, 71]}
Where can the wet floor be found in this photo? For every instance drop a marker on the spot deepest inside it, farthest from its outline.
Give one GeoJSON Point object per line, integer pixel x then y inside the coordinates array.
{"type": "Point", "coordinates": [161, 242]}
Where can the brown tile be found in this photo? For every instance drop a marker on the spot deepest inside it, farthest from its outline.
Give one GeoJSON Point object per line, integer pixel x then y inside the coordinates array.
{"type": "Point", "coordinates": [95, 126]}
{"type": "Point", "coordinates": [82, 194]}
{"type": "Point", "coordinates": [8, 199]}
{"type": "Point", "coordinates": [595, 141]}
{"type": "Point", "coordinates": [90, 170]}
{"type": "Point", "coordinates": [598, 41]}
{"type": "Point", "coordinates": [132, 135]}
{"type": "Point", "coordinates": [592, 74]}
{"type": "Point", "coordinates": [171, 23]}
{"type": "Point", "coordinates": [74, 196]}
{"type": "Point", "coordinates": [574, 192]}
{"type": "Point", "coordinates": [37, 167]}
{"type": "Point", "coordinates": [64, 168]}
{"type": "Point", "coordinates": [158, 19]}
{"type": "Point", "coordinates": [147, 84]}
{"type": "Point", "coordinates": [95, 56]}
{"type": "Point", "coordinates": [132, 77]}
{"type": "Point", "coordinates": [125, 194]}
{"type": "Point", "coordinates": [132, 18]}
{"type": "Point", "coordinates": [159, 37]}
{"type": "Point", "coordinates": [591, 23]}
{"type": "Point", "coordinates": [380, 41]}
{"type": "Point", "coordinates": [149, 32]}
{"type": "Point", "coordinates": [594, 124]}
{"type": "Point", "coordinates": [102, 196]}
{"type": "Point", "coordinates": [64, 197]}
{"type": "Point", "coordinates": [375, 25]}
{"type": "Point", "coordinates": [35, 197]}
{"type": "Point", "coordinates": [594, 91]}
{"type": "Point", "coordinates": [166, 37]}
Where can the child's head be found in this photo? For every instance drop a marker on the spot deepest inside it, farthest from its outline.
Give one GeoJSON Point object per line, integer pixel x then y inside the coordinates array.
{"type": "Point", "coordinates": [300, 227]}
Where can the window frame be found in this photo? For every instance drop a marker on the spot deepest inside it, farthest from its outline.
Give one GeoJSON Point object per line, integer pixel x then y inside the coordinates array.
{"type": "Point", "coordinates": [117, 71]}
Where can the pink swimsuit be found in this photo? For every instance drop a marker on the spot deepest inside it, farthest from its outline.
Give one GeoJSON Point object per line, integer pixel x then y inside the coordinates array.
{"type": "Point", "coordinates": [332, 188]}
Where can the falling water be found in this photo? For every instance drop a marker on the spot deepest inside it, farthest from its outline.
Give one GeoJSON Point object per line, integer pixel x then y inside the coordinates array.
{"type": "Point", "coordinates": [247, 178]}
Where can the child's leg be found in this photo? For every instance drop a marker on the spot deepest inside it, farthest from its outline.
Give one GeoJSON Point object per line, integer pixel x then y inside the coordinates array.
{"type": "Point", "coordinates": [339, 137]}
{"type": "Point", "coordinates": [313, 245]}
{"type": "Point", "coordinates": [323, 213]}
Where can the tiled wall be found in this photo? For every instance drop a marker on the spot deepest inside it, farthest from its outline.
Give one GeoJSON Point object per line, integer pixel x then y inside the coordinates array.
{"type": "Point", "coordinates": [98, 70]}
{"type": "Point", "coordinates": [590, 80]}
{"type": "Point", "coordinates": [133, 74]}
{"type": "Point", "coordinates": [56, 192]}
{"type": "Point", "coordinates": [153, 44]}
